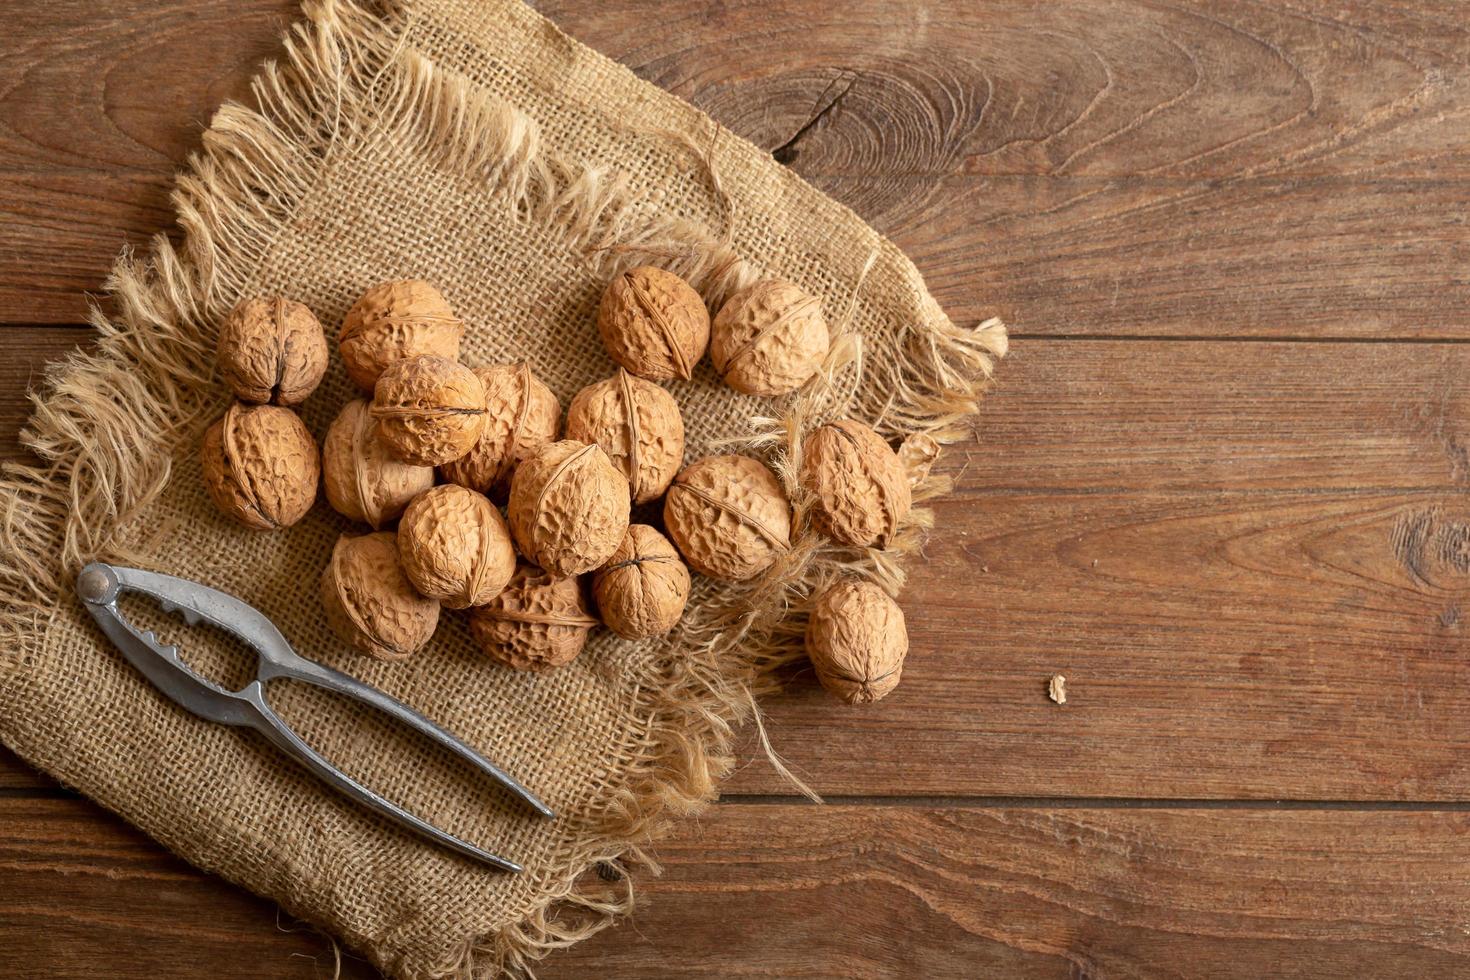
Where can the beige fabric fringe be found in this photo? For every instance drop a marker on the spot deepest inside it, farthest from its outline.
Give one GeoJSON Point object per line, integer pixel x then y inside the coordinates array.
{"type": "Point", "coordinates": [472, 144]}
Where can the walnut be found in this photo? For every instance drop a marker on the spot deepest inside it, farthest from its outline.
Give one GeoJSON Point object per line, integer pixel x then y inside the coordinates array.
{"type": "Point", "coordinates": [769, 339]}
{"type": "Point", "coordinates": [261, 466]}
{"type": "Point", "coordinates": [537, 622]}
{"type": "Point", "coordinates": [521, 416]}
{"type": "Point", "coordinates": [653, 323]}
{"type": "Point", "coordinates": [392, 321]}
{"type": "Point", "coordinates": [568, 507]}
{"type": "Point", "coordinates": [918, 454]}
{"type": "Point", "coordinates": [637, 424]}
{"type": "Point", "coordinates": [642, 589]}
{"type": "Point", "coordinates": [856, 640]}
{"type": "Point", "coordinates": [861, 486]}
{"type": "Point", "coordinates": [369, 601]}
{"type": "Point", "coordinates": [429, 410]}
{"type": "Point", "coordinates": [364, 482]}
{"type": "Point", "coordinates": [455, 547]}
{"type": "Point", "coordinates": [272, 350]}
{"type": "Point", "coordinates": [728, 516]}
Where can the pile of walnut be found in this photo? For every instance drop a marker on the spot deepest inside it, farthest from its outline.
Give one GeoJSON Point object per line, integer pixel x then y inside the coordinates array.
{"type": "Point", "coordinates": [434, 446]}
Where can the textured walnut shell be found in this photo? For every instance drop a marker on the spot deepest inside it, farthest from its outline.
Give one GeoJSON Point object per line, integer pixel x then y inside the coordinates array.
{"type": "Point", "coordinates": [393, 321]}
{"type": "Point", "coordinates": [856, 640]}
{"type": "Point", "coordinates": [521, 416]}
{"type": "Point", "coordinates": [637, 424]}
{"type": "Point", "coordinates": [429, 410]}
{"type": "Point", "coordinates": [364, 481]}
{"type": "Point", "coordinates": [537, 622]}
{"type": "Point", "coordinates": [369, 601]}
{"type": "Point", "coordinates": [861, 487]}
{"type": "Point", "coordinates": [728, 516]}
{"type": "Point", "coordinates": [455, 547]}
{"type": "Point", "coordinates": [769, 339]}
{"type": "Point", "coordinates": [642, 590]}
{"type": "Point", "coordinates": [261, 466]}
{"type": "Point", "coordinates": [272, 350]}
{"type": "Point", "coordinates": [653, 323]}
{"type": "Point", "coordinates": [568, 508]}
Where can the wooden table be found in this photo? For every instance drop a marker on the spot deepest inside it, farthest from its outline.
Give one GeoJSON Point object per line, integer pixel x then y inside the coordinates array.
{"type": "Point", "coordinates": [1221, 486]}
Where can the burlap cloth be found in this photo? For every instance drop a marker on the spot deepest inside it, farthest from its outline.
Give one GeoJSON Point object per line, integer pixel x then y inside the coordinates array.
{"type": "Point", "coordinates": [471, 143]}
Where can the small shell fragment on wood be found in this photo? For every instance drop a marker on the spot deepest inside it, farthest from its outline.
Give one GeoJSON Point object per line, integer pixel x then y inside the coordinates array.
{"type": "Point", "coordinates": [537, 622]}
{"type": "Point", "coordinates": [369, 601]}
{"type": "Point", "coordinates": [728, 516]}
{"type": "Point", "coordinates": [642, 590]}
{"type": "Point", "coordinates": [429, 410]}
{"type": "Point", "coordinates": [918, 454]}
{"type": "Point", "coordinates": [769, 339]}
{"type": "Point", "coordinates": [568, 507]}
{"type": "Point", "coordinates": [521, 416]}
{"type": "Point", "coordinates": [856, 640]}
{"type": "Point", "coordinates": [393, 321]}
{"type": "Point", "coordinates": [364, 481]}
{"type": "Point", "coordinates": [1056, 688]}
{"type": "Point", "coordinates": [862, 491]}
{"type": "Point", "coordinates": [637, 423]}
{"type": "Point", "coordinates": [455, 547]}
{"type": "Point", "coordinates": [261, 466]}
{"type": "Point", "coordinates": [653, 324]}
{"type": "Point", "coordinates": [272, 350]}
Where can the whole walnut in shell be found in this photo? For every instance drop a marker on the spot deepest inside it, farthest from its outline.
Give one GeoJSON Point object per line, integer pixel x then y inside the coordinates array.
{"type": "Point", "coordinates": [429, 410]}
{"type": "Point", "coordinates": [637, 424]}
{"type": "Point", "coordinates": [769, 339]}
{"type": "Point", "coordinates": [521, 416]}
{"type": "Point", "coordinates": [568, 508]}
{"type": "Point", "coordinates": [856, 640]}
{"type": "Point", "coordinates": [642, 589]}
{"type": "Point", "coordinates": [369, 601]}
{"type": "Point", "coordinates": [653, 323]}
{"type": "Point", "coordinates": [261, 466]}
{"type": "Point", "coordinates": [728, 516]}
{"type": "Point", "coordinates": [537, 622]}
{"type": "Point", "coordinates": [272, 350]}
{"type": "Point", "coordinates": [364, 481]}
{"type": "Point", "coordinates": [860, 484]}
{"type": "Point", "coordinates": [455, 547]}
{"type": "Point", "coordinates": [393, 321]}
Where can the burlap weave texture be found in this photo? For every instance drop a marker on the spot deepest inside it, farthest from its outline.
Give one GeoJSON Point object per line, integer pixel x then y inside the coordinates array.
{"type": "Point", "coordinates": [473, 145]}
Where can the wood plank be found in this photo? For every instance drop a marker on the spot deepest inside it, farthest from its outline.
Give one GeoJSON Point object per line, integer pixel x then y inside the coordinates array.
{"type": "Point", "coordinates": [1103, 168]}
{"type": "Point", "coordinates": [1276, 604]}
{"type": "Point", "coordinates": [782, 890]}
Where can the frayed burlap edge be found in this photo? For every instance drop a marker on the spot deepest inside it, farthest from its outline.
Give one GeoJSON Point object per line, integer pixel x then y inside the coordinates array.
{"type": "Point", "coordinates": [106, 419]}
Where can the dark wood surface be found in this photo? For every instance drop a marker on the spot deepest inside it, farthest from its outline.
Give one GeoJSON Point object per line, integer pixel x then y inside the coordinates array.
{"type": "Point", "coordinates": [1220, 486]}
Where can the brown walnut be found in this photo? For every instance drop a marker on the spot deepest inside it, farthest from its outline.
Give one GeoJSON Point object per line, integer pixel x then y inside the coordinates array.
{"type": "Point", "coordinates": [429, 410]}
{"type": "Point", "coordinates": [637, 424]}
{"type": "Point", "coordinates": [261, 466]}
{"type": "Point", "coordinates": [568, 507]}
{"type": "Point", "coordinates": [642, 590]}
{"type": "Point", "coordinates": [455, 547]}
{"type": "Point", "coordinates": [537, 622]}
{"type": "Point", "coordinates": [369, 601]}
{"type": "Point", "coordinates": [272, 350]}
{"type": "Point", "coordinates": [393, 321]}
{"type": "Point", "coordinates": [653, 323]}
{"type": "Point", "coordinates": [861, 486]}
{"type": "Point", "coordinates": [857, 640]}
{"type": "Point", "coordinates": [521, 416]}
{"type": "Point", "coordinates": [769, 339]}
{"type": "Point", "coordinates": [728, 516]}
{"type": "Point", "coordinates": [364, 481]}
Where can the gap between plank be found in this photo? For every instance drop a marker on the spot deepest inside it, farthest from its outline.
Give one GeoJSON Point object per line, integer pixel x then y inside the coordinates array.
{"type": "Point", "coordinates": [1097, 803]}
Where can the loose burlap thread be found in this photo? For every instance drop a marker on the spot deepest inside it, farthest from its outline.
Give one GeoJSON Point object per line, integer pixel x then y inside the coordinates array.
{"type": "Point", "coordinates": [474, 145]}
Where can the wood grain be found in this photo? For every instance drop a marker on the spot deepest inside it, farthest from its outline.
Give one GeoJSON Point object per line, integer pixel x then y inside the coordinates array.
{"type": "Point", "coordinates": [1078, 168]}
{"type": "Point", "coordinates": [842, 891]}
{"type": "Point", "coordinates": [1249, 559]}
